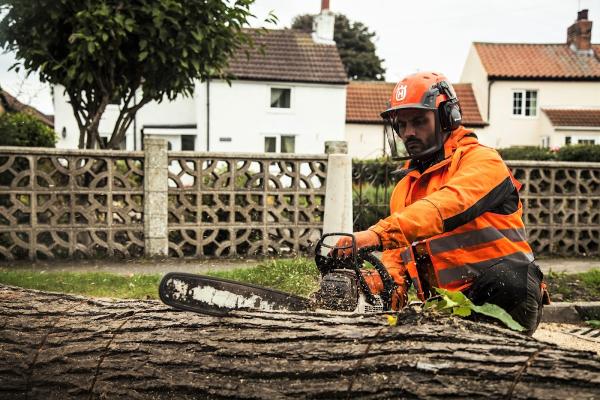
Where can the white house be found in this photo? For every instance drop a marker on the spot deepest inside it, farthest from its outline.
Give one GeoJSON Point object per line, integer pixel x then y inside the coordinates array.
{"type": "Point", "coordinates": [289, 98]}
{"type": "Point", "coordinates": [538, 94]}
{"type": "Point", "coordinates": [367, 99]}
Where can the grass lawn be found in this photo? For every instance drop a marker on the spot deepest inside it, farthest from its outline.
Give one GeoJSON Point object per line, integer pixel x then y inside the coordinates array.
{"type": "Point", "coordinates": [298, 276]}
{"type": "Point", "coordinates": [574, 287]}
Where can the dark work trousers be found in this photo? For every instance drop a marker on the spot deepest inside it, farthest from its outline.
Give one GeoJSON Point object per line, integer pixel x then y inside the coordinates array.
{"type": "Point", "coordinates": [515, 288]}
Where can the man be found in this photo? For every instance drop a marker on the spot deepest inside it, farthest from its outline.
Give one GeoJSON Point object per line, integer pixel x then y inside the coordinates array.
{"type": "Point", "coordinates": [455, 218]}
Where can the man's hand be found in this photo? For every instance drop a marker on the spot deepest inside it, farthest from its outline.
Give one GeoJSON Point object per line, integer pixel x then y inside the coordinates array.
{"type": "Point", "coordinates": [373, 280]}
{"type": "Point", "coordinates": [368, 240]}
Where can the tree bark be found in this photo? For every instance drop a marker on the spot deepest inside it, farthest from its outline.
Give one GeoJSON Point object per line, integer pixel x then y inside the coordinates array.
{"type": "Point", "coordinates": [56, 346]}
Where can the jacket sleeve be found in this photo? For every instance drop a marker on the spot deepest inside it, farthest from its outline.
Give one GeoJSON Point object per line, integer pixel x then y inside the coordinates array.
{"type": "Point", "coordinates": [481, 182]}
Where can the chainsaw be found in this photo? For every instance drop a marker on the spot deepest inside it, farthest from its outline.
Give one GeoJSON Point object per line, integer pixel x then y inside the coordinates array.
{"type": "Point", "coordinates": [342, 286]}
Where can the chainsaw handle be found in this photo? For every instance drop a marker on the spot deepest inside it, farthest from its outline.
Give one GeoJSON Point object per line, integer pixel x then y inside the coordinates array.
{"type": "Point", "coordinates": [389, 285]}
{"type": "Point", "coordinates": [326, 263]}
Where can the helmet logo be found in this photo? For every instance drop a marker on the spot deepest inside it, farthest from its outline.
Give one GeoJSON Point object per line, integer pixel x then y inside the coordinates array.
{"type": "Point", "coordinates": [400, 92]}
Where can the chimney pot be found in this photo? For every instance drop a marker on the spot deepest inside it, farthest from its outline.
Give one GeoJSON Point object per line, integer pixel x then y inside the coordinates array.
{"type": "Point", "coordinates": [582, 15]}
{"type": "Point", "coordinates": [324, 5]}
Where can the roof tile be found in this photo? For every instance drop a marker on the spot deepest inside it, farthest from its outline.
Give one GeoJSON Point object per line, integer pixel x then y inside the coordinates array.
{"type": "Point", "coordinates": [289, 56]}
{"type": "Point", "coordinates": [538, 61]}
{"type": "Point", "coordinates": [574, 117]}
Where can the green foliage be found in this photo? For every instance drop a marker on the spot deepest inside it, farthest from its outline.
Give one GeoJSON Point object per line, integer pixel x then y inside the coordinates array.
{"type": "Point", "coordinates": [579, 152]}
{"type": "Point", "coordinates": [19, 129]}
{"type": "Point", "coordinates": [576, 152]}
{"type": "Point", "coordinates": [355, 45]}
{"type": "Point", "coordinates": [107, 49]}
{"type": "Point", "coordinates": [370, 204]}
{"type": "Point", "coordinates": [583, 286]}
{"type": "Point", "coordinates": [458, 304]}
{"type": "Point", "coordinates": [527, 153]}
{"type": "Point", "coordinates": [594, 323]}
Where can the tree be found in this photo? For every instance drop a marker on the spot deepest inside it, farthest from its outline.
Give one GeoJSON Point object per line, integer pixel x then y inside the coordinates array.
{"type": "Point", "coordinates": [104, 51]}
{"type": "Point", "coordinates": [20, 129]}
{"type": "Point", "coordinates": [355, 44]}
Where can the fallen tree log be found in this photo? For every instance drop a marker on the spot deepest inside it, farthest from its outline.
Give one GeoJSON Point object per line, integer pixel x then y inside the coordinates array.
{"type": "Point", "coordinates": [56, 346]}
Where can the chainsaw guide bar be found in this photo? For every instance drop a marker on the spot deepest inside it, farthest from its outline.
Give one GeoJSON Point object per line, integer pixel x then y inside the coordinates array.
{"type": "Point", "coordinates": [217, 297]}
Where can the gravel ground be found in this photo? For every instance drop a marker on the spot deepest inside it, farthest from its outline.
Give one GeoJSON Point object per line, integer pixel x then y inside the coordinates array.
{"type": "Point", "coordinates": [558, 334]}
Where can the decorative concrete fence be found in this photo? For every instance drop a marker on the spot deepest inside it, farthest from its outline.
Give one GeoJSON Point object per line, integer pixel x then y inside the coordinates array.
{"type": "Point", "coordinates": [57, 203]}
{"type": "Point", "coordinates": [78, 203]}
{"type": "Point", "coordinates": [561, 201]}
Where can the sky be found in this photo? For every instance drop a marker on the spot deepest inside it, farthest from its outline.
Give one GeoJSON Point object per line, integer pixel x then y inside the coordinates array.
{"type": "Point", "coordinates": [410, 35]}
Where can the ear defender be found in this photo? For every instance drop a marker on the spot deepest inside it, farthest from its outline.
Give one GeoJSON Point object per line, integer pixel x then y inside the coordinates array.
{"type": "Point", "coordinates": [450, 115]}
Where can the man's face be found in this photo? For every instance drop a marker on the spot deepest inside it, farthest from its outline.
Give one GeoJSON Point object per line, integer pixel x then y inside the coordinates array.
{"type": "Point", "coordinates": [416, 128]}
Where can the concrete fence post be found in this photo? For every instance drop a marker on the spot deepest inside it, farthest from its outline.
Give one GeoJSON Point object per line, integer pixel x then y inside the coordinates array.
{"type": "Point", "coordinates": [338, 190]}
{"type": "Point", "coordinates": [156, 165]}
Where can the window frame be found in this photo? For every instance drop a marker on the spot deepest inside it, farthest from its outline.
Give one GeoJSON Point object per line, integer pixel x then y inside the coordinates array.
{"type": "Point", "coordinates": [265, 137]}
{"type": "Point", "coordinates": [523, 93]}
{"type": "Point", "coordinates": [279, 142]}
{"type": "Point", "coordinates": [280, 110]}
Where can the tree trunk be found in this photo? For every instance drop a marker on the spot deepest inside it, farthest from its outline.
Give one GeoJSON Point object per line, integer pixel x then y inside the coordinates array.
{"type": "Point", "coordinates": [56, 346]}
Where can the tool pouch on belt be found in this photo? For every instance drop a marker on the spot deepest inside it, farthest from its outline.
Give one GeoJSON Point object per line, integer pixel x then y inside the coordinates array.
{"type": "Point", "coordinates": [425, 270]}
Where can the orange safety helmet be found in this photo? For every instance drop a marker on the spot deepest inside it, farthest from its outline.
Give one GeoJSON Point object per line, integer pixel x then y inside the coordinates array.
{"type": "Point", "coordinates": [426, 91]}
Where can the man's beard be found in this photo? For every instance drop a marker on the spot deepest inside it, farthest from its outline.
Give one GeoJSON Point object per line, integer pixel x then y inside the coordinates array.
{"type": "Point", "coordinates": [415, 146]}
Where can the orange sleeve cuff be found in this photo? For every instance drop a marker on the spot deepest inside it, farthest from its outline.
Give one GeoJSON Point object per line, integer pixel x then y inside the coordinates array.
{"type": "Point", "coordinates": [389, 240]}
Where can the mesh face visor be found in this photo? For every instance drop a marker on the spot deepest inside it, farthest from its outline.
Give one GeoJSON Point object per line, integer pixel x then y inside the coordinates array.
{"type": "Point", "coordinates": [397, 148]}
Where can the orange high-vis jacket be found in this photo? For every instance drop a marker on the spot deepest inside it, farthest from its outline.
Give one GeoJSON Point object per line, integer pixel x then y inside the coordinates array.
{"type": "Point", "coordinates": [464, 211]}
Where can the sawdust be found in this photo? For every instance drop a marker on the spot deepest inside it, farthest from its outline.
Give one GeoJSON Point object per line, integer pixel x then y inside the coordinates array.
{"type": "Point", "coordinates": [559, 334]}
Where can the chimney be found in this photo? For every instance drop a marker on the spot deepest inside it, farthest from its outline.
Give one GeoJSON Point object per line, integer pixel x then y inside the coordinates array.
{"type": "Point", "coordinates": [579, 35]}
{"type": "Point", "coordinates": [323, 25]}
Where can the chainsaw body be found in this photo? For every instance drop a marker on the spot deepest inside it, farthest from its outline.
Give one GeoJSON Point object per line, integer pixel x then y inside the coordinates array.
{"type": "Point", "coordinates": [342, 286]}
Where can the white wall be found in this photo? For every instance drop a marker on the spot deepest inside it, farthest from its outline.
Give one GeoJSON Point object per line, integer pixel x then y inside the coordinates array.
{"type": "Point", "coordinates": [475, 74]}
{"type": "Point", "coordinates": [177, 112]}
{"type": "Point", "coordinates": [365, 140]}
{"type": "Point", "coordinates": [63, 118]}
{"type": "Point", "coordinates": [506, 129]}
{"type": "Point", "coordinates": [242, 112]}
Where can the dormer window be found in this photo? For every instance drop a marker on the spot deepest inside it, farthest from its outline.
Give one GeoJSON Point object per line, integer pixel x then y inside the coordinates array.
{"type": "Point", "coordinates": [525, 103]}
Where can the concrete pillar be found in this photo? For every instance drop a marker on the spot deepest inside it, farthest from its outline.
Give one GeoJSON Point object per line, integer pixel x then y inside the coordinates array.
{"type": "Point", "coordinates": [156, 164]}
{"type": "Point", "coordinates": [338, 190]}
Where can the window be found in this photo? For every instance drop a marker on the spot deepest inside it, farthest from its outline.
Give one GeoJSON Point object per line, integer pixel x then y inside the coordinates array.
{"type": "Point", "coordinates": [288, 144]}
{"type": "Point", "coordinates": [285, 143]}
{"type": "Point", "coordinates": [568, 140]}
{"type": "Point", "coordinates": [525, 103]}
{"type": "Point", "coordinates": [188, 142]}
{"type": "Point", "coordinates": [280, 98]}
{"type": "Point", "coordinates": [270, 144]}
{"type": "Point", "coordinates": [586, 141]}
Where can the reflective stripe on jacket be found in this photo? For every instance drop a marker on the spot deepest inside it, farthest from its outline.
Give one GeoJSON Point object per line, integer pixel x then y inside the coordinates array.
{"type": "Point", "coordinates": [465, 210]}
